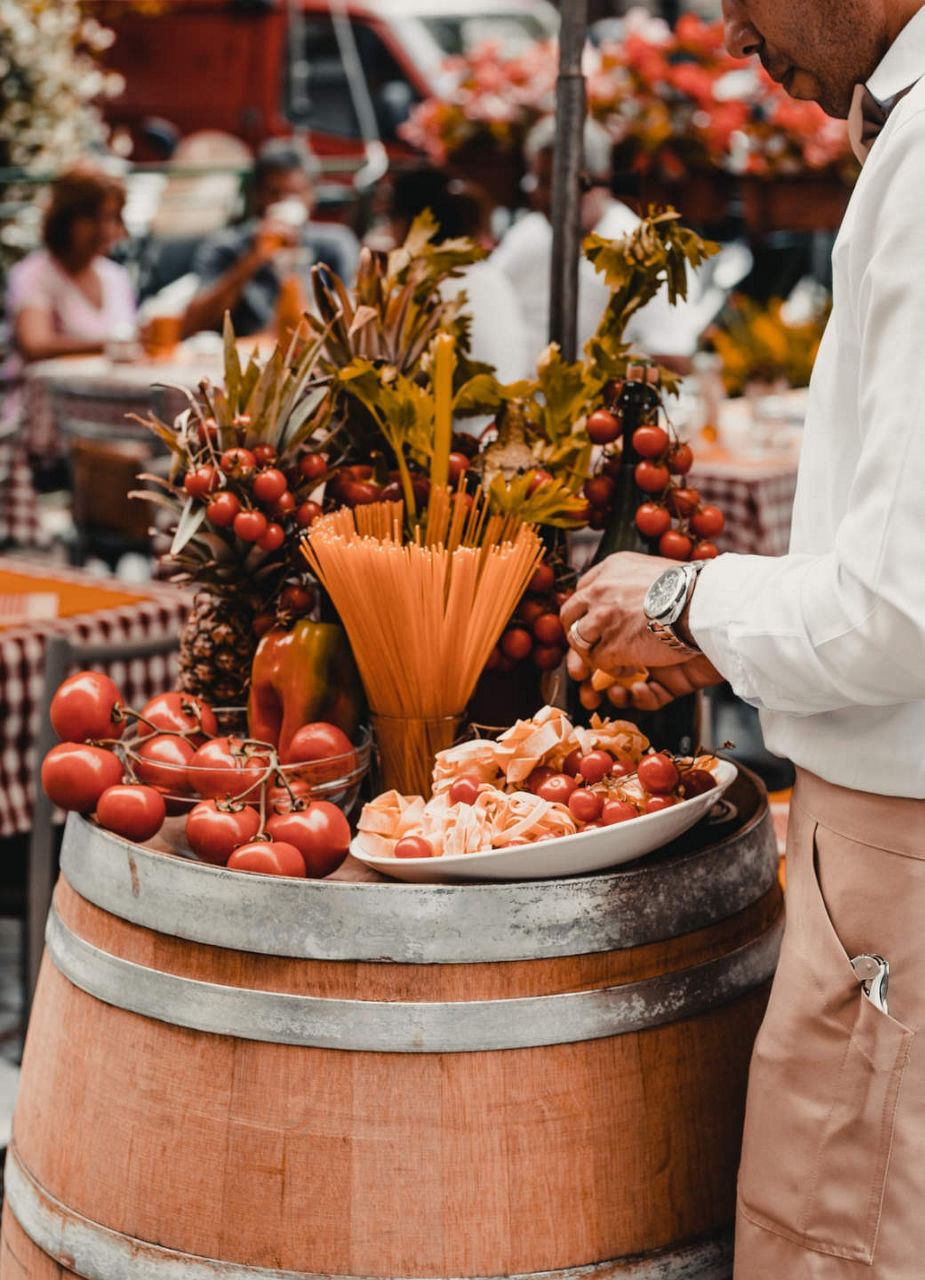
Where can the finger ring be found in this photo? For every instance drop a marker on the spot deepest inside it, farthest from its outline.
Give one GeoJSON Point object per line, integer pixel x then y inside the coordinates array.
{"type": "Point", "coordinates": [576, 639]}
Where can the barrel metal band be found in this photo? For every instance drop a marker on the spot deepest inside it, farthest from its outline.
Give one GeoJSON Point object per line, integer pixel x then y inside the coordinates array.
{"type": "Point", "coordinates": [406, 1026]}
{"type": "Point", "coordinates": [99, 1253]}
{"type": "Point", "coordinates": [421, 924]}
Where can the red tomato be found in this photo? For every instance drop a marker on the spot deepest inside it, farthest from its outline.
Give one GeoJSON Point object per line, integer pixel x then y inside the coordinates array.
{"type": "Point", "coordinates": [391, 492]}
{"type": "Point", "coordinates": [320, 832]}
{"type": "Point", "coordinates": [705, 551]}
{"type": "Point", "coordinates": [603, 426]}
{"type": "Point", "coordinates": [200, 481]}
{"type": "Point", "coordinates": [307, 514]}
{"type": "Point", "coordinates": [615, 811]}
{"type": "Point", "coordinates": [543, 580]}
{"type": "Point", "coordinates": [540, 477]}
{"type": "Point", "coordinates": [585, 805]}
{"type": "Point", "coordinates": [270, 858]}
{"type": "Point", "coordinates": [250, 525]}
{"type": "Point", "coordinates": [265, 455]}
{"type": "Point", "coordinates": [650, 441]}
{"type": "Point", "coordinates": [570, 763]}
{"type": "Point", "coordinates": [298, 599]}
{"type": "Point", "coordinates": [75, 775]}
{"type": "Point", "coordinates": [222, 510]}
{"type": "Point", "coordinates": [530, 610]}
{"type": "Point", "coordinates": [516, 643]}
{"type": "Point", "coordinates": [658, 774]}
{"type": "Point", "coordinates": [179, 713]}
{"type": "Point", "coordinates": [272, 539]}
{"type": "Point", "coordinates": [656, 803]}
{"type": "Point", "coordinates": [651, 477]}
{"type": "Point", "coordinates": [708, 522]}
{"type": "Point", "coordinates": [621, 768]}
{"type": "Point", "coordinates": [207, 429]}
{"type": "Point", "coordinates": [595, 765]}
{"type": "Point", "coordinates": [652, 519]}
{"type": "Point", "coordinates": [612, 464]}
{"type": "Point", "coordinates": [161, 762]}
{"type": "Point", "coordinates": [599, 518]}
{"type": "Point", "coordinates": [239, 463]}
{"type": "Point", "coordinates": [224, 768]}
{"type": "Point", "coordinates": [317, 741]}
{"type": "Point", "coordinates": [459, 463]}
{"type": "Point", "coordinates": [87, 705]}
{"type": "Point", "coordinates": [548, 629]}
{"type": "Point", "coordinates": [494, 659]}
{"type": "Point", "coordinates": [675, 545]}
{"type": "Point", "coordinates": [539, 775]}
{"type": "Point", "coordinates": [270, 485]}
{"type": "Point", "coordinates": [695, 782]}
{"type": "Point", "coordinates": [313, 466]}
{"type": "Point", "coordinates": [680, 460]}
{"type": "Point", "coordinates": [548, 656]}
{"type": "Point", "coordinates": [413, 847]}
{"type": "Point", "coordinates": [465, 790]}
{"type": "Point", "coordinates": [359, 493]}
{"type": "Point", "coordinates": [684, 502]}
{"type": "Point", "coordinates": [214, 833]}
{"type": "Point", "coordinates": [283, 505]}
{"type": "Point", "coordinates": [599, 490]}
{"type": "Point", "coordinates": [556, 789]}
{"type": "Point", "coordinates": [131, 811]}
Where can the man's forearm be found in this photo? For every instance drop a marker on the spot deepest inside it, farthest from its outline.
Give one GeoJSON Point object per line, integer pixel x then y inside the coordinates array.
{"type": "Point", "coordinates": [210, 304]}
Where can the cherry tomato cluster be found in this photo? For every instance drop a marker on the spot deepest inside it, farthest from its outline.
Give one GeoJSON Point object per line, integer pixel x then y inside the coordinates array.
{"type": "Point", "coordinates": [535, 630]}
{"type": "Point", "coordinates": [604, 428]}
{"type": "Point", "coordinates": [242, 809]}
{"type": "Point", "coordinates": [660, 472]}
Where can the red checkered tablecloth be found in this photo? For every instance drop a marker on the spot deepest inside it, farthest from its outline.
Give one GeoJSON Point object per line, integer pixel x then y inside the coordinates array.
{"type": "Point", "coordinates": [161, 612]}
{"type": "Point", "coordinates": [755, 497]}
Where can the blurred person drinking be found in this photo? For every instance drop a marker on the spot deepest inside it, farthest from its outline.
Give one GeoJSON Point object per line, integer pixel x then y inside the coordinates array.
{"type": "Point", "coordinates": [245, 268]}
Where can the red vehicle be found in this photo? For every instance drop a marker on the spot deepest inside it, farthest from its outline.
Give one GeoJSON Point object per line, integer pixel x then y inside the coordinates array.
{"type": "Point", "coordinates": [263, 68]}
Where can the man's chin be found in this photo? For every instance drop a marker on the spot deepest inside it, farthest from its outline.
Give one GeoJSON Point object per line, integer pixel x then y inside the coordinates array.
{"type": "Point", "coordinates": [806, 88]}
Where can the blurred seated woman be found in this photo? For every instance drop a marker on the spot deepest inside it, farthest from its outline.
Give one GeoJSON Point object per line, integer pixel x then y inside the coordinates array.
{"type": "Point", "coordinates": [69, 298]}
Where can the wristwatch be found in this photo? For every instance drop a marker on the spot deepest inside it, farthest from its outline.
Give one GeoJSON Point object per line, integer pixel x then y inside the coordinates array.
{"type": "Point", "coordinates": [666, 600]}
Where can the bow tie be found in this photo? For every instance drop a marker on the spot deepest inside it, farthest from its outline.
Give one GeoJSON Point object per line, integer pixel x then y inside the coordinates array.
{"type": "Point", "coordinates": [867, 117]}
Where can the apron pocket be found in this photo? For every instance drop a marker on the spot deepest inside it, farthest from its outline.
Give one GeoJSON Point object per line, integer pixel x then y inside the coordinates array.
{"type": "Point", "coordinates": [823, 1089]}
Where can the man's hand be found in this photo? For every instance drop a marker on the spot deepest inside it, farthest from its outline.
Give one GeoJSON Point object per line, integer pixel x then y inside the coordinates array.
{"type": "Point", "coordinates": [270, 237]}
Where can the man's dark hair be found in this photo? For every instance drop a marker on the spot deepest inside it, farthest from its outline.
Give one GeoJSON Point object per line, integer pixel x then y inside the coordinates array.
{"type": "Point", "coordinates": [457, 207]}
{"type": "Point", "coordinates": [282, 155]}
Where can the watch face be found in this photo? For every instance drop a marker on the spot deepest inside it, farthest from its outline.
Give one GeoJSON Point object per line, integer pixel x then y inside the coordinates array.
{"type": "Point", "coordinates": [663, 593]}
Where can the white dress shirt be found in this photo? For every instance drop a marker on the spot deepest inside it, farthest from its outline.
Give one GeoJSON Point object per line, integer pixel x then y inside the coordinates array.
{"type": "Point", "coordinates": [829, 640]}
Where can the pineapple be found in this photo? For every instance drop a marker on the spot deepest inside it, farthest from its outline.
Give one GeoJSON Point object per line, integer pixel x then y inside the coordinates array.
{"type": "Point", "coordinates": [217, 647]}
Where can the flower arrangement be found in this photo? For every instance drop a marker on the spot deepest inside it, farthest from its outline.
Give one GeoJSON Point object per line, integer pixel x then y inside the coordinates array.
{"type": "Point", "coordinates": [762, 344]}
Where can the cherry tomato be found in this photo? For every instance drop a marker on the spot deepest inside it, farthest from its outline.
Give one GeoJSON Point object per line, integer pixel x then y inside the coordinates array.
{"type": "Point", "coordinates": [283, 505]}
{"type": "Point", "coordinates": [459, 464]}
{"type": "Point", "coordinates": [75, 775]}
{"type": "Point", "coordinates": [599, 490]}
{"type": "Point", "coordinates": [201, 481]}
{"type": "Point", "coordinates": [680, 460]}
{"type": "Point", "coordinates": [222, 510]}
{"type": "Point", "coordinates": [548, 656]}
{"type": "Point", "coordinates": [320, 832]}
{"type": "Point", "coordinates": [599, 518]}
{"type": "Point", "coordinates": [494, 659]}
{"type": "Point", "coordinates": [273, 538]}
{"type": "Point", "coordinates": [207, 429]}
{"type": "Point", "coordinates": [413, 847]}
{"type": "Point", "coordinates": [239, 463]}
{"type": "Point", "coordinates": [530, 610]}
{"type": "Point", "coordinates": [615, 811]}
{"type": "Point", "coordinates": [684, 502]}
{"type": "Point", "coordinates": [178, 713]}
{"type": "Point", "coordinates": [658, 773]}
{"type": "Point", "coordinates": [87, 705]}
{"type": "Point", "coordinates": [242, 421]}
{"type": "Point", "coordinates": [313, 466]}
{"type": "Point", "coordinates": [652, 519]}
{"type": "Point", "coordinates": [131, 811]}
{"type": "Point", "coordinates": [548, 629]}
{"type": "Point", "coordinates": [695, 782]}
{"type": "Point", "coordinates": [465, 790]}
{"type": "Point", "coordinates": [656, 803]}
{"type": "Point", "coordinates": [270, 485]}
{"type": "Point", "coordinates": [705, 551]}
{"type": "Point", "coordinates": [585, 805]}
{"type": "Point", "coordinates": [516, 643]}
{"type": "Point", "coordinates": [298, 599]}
{"type": "Point", "coordinates": [161, 762]}
{"type": "Point", "coordinates": [391, 492]}
{"type": "Point", "coordinates": [595, 765]}
{"type": "Point", "coordinates": [603, 426]}
{"type": "Point", "coordinates": [556, 789]}
{"type": "Point", "coordinates": [570, 764]}
{"type": "Point", "coordinates": [223, 767]}
{"type": "Point", "coordinates": [612, 465]}
{"type": "Point", "coordinates": [359, 493]}
{"type": "Point", "coordinates": [539, 775]}
{"type": "Point", "coordinates": [213, 832]}
{"type": "Point", "coordinates": [650, 441]}
{"type": "Point", "coordinates": [250, 525]}
{"type": "Point", "coordinates": [421, 489]}
{"type": "Point", "coordinates": [543, 580]}
{"type": "Point", "coordinates": [270, 858]}
{"type": "Point", "coordinates": [540, 477]}
{"type": "Point", "coordinates": [651, 477]}
{"type": "Point", "coordinates": [675, 545]}
{"type": "Point", "coordinates": [621, 768]}
{"type": "Point", "coordinates": [316, 741]}
{"type": "Point", "coordinates": [708, 522]}
{"type": "Point", "coordinates": [265, 455]}
{"type": "Point", "coordinates": [307, 514]}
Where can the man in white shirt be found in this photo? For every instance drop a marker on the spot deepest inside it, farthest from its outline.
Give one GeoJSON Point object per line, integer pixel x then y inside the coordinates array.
{"type": "Point", "coordinates": [829, 643]}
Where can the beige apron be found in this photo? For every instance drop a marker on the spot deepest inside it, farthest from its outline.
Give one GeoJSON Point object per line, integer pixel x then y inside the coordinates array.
{"type": "Point", "coordinates": [832, 1179]}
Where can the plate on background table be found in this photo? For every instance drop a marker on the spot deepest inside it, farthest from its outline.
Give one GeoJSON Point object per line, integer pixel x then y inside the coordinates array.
{"type": "Point", "coordinates": [595, 850]}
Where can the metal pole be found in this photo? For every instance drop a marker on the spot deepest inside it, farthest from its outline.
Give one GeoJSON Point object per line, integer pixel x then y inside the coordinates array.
{"type": "Point", "coordinates": [566, 179]}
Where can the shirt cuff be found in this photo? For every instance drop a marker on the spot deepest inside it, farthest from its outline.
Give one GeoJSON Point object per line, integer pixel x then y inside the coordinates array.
{"type": "Point", "coordinates": [721, 583]}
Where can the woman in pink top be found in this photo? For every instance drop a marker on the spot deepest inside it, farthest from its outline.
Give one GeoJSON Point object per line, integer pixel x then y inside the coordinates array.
{"type": "Point", "coordinates": [69, 298]}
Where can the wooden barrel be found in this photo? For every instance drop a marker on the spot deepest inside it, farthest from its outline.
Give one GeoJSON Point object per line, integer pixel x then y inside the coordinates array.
{"type": "Point", "coordinates": [230, 1077]}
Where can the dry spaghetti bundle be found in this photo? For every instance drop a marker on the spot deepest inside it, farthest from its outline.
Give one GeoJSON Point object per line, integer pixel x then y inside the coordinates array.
{"type": "Point", "coordinates": [422, 614]}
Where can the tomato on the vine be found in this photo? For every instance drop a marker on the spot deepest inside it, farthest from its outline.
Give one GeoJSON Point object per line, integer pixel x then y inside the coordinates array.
{"type": "Point", "coordinates": [540, 477]}
{"type": "Point", "coordinates": [297, 598]}
{"type": "Point", "coordinates": [680, 460]}
{"type": "Point", "coordinates": [214, 830]}
{"type": "Point", "coordinates": [177, 713]}
{"type": "Point", "coordinates": [615, 811]}
{"type": "Point", "coordinates": [548, 629]}
{"type": "Point", "coordinates": [264, 455]}
{"type": "Point", "coordinates": [652, 519]}
{"type": "Point", "coordinates": [543, 580]}
{"type": "Point", "coordinates": [270, 485]}
{"type": "Point", "coordinates": [313, 466]}
{"type": "Point", "coordinates": [283, 505]}
{"type": "Point", "coordinates": [658, 773]}
{"type": "Point", "coordinates": [307, 514]}
{"type": "Point", "coordinates": [226, 767]}
{"type": "Point", "coordinates": [586, 806]}
{"type": "Point", "coordinates": [87, 705]}
{"type": "Point", "coordinates": [131, 810]}
{"type": "Point", "coordinates": [695, 782]}
{"type": "Point", "coordinates": [674, 545]}
{"type": "Point", "coordinates": [222, 510]}
{"type": "Point", "coordinates": [161, 762]}
{"type": "Point", "coordinates": [239, 463]}
{"type": "Point", "coordinates": [603, 426]}
{"type": "Point", "coordinates": [273, 538]}
{"type": "Point", "coordinates": [200, 481]}
{"type": "Point", "coordinates": [413, 847]}
{"type": "Point", "coordinates": [75, 775]}
{"type": "Point", "coordinates": [516, 643]}
{"type": "Point", "coordinates": [465, 790]}
{"type": "Point", "coordinates": [459, 464]}
{"type": "Point", "coordinates": [651, 477]}
{"type": "Point", "coordinates": [684, 502]}
{"type": "Point", "coordinates": [250, 525]}
{"type": "Point", "coordinates": [600, 490]}
{"type": "Point", "coordinates": [650, 441]}
{"type": "Point", "coordinates": [656, 803]}
{"type": "Point", "coordinates": [320, 832]}
{"type": "Point", "coordinates": [269, 857]}
{"type": "Point", "coordinates": [705, 551]}
{"type": "Point", "coordinates": [556, 789]}
{"type": "Point", "coordinates": [708, 522]}
{"type": "Point", "coordinates": [595, 765]}
{"type": "Point", "coordinates": [547, 656]}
